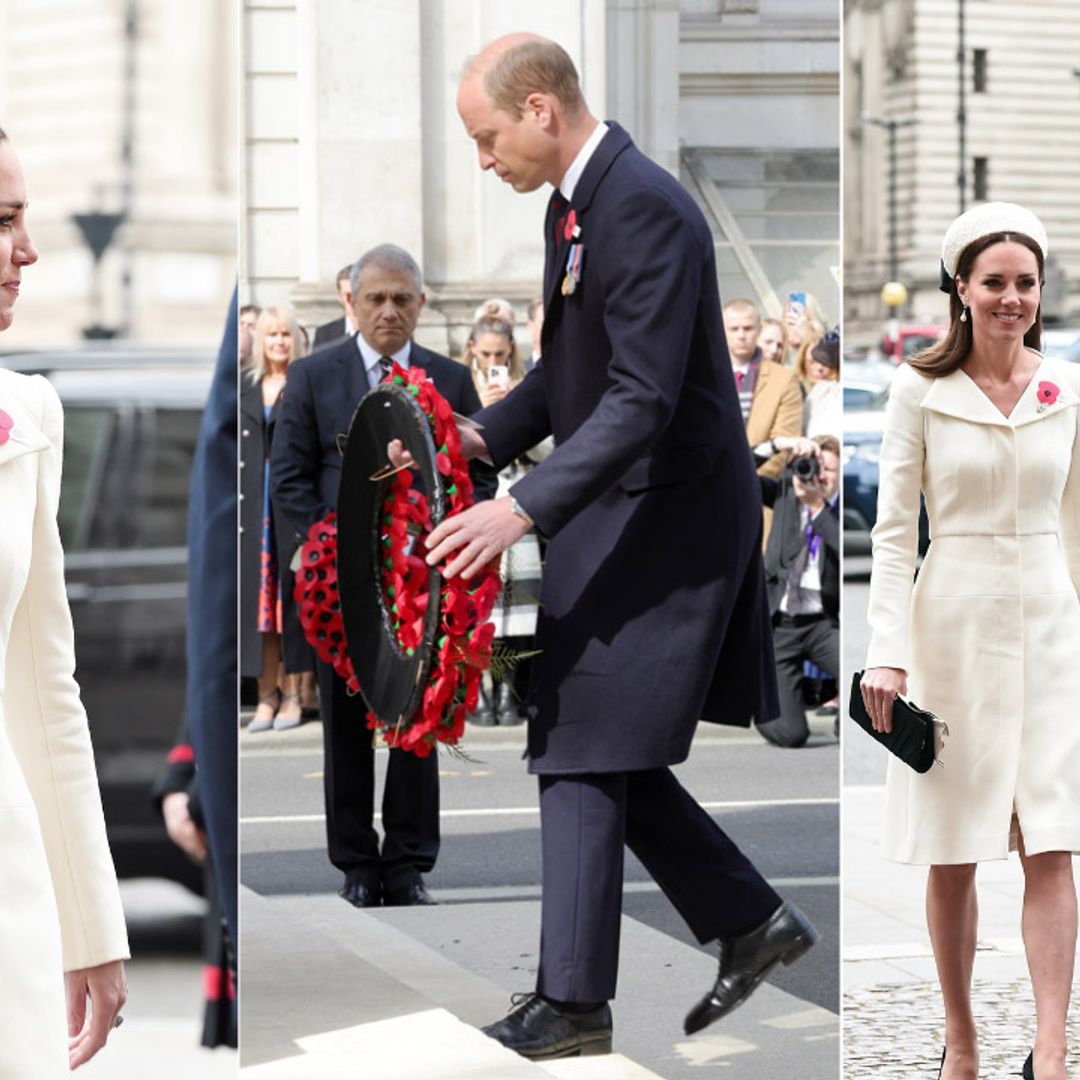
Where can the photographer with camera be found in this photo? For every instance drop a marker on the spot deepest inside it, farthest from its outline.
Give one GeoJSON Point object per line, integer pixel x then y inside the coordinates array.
{"type": "Point", "coordinates": [802, 573]}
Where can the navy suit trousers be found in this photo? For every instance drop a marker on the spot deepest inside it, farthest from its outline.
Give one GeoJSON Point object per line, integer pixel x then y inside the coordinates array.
{"type": "Point", "coordinates": [585, 820]}
{"type": "Point", "coordinates": [410, 805]}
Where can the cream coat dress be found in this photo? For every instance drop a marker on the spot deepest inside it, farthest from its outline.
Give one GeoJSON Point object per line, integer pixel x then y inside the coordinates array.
{"type": "Point", "coordinates": [990, 633]}
{"type": "Point", "coordinates": [59, 901]}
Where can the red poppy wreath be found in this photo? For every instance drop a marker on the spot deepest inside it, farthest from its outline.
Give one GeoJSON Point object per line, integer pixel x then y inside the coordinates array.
{"type": "Point", "coordinates": [448, 654]}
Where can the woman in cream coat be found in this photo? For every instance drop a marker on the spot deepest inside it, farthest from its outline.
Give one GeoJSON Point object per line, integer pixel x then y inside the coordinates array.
{"type": "Point", "coordinates": [59, 902]}
{"type": "Point", "coordinates": [989, 637]}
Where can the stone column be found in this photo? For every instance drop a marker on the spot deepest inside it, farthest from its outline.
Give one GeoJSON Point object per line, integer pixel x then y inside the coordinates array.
{"type": "Point", "coordinates": [360, 140]}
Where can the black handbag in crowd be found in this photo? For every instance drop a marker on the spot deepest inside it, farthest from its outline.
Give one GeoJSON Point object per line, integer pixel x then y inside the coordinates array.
{"type": "Point", "coordinates": [912, 735]}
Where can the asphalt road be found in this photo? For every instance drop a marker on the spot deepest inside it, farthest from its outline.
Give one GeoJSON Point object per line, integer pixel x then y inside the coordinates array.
{"type": "Point", "coordinates": [786, 822]}
{"type": "Point", "coordinates": [864, 760]}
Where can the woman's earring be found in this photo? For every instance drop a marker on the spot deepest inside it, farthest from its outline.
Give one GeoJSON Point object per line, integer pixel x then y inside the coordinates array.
{"type": "Point", "coordinates": [963, 314]}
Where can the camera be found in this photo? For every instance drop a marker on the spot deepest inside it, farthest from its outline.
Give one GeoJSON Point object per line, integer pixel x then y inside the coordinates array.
{"type": "Point", "coordinates": [807, 468]}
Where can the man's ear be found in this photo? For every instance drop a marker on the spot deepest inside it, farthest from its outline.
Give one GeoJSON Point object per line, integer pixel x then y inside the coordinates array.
{"type": "Point", "coordinates": [541, 107]}
{"type": "Point", "coordinates": [423, 299]}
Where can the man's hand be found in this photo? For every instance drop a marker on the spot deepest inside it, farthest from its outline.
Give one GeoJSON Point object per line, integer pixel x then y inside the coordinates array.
{"type": "Point", "coordinates": [183, 832]}
{"type": "Point", "coordinates": [472, 446]}
{"type": "Point", "coordinates": [105, 987]}
{"type": "Point", "coordinates": [810, 493]}
{"type": "Point", "coordinates": [477, 535]}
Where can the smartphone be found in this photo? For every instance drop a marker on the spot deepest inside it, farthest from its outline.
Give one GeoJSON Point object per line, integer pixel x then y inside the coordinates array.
{"type": "Point", "coordinates": [498, 375]}
{"type": "Point", "coordinates": [796, 303]}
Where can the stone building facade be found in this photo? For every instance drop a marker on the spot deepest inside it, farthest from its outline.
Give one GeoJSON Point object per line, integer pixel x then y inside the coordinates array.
{"type": "Point", "coordinates": [351, 138]}
{"type": "Point", "coordinates": [1022, 139]}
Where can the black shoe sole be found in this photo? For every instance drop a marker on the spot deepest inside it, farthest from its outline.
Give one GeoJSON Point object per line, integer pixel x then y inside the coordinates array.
{"type": "Point", "coordinates": [586, 1047]}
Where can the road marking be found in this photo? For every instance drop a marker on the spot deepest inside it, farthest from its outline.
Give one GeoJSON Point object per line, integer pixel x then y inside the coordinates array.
{"type": "Point", "coordinates": [524, 811]}
{"type": "Point", "coordinates": [466, 894]}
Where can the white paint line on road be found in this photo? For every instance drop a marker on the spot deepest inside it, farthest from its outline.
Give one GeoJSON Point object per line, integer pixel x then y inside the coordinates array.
{"type": "Point", "coordinates": [465, 894]}
{"type": "Point", "coordinates": [524, 811]}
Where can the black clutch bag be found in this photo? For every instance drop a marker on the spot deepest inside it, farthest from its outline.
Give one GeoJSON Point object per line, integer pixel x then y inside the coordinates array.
{"type": "Point", "coordinates": [912, 735]}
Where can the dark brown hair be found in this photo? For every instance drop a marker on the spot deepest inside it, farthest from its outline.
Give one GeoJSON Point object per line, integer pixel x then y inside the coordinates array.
{"type": "Point", "coordinates": [535, 66]}
{"type": "Point", "coordinates": [945, 356]}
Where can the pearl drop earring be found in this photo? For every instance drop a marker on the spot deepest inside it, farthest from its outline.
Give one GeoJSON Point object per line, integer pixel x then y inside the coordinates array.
{"type": "Point", "coordinates": [963, 314]}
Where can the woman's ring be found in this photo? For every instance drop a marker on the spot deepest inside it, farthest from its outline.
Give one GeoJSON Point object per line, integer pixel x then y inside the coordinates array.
{"type": "Point", "coordinates": [117, 1022]}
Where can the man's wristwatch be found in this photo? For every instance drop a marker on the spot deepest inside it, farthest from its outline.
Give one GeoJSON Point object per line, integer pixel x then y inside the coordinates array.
{"type": "Point", "coordinates": [520, 511]}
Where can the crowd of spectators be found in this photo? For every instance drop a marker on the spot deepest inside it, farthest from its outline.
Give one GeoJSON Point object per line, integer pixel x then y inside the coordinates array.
{"type": "Point", "coordinates": [787, 375]}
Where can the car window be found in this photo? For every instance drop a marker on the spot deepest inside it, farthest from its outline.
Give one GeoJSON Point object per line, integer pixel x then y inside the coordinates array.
{"type": "Point", "coordinates": [89, 435]}
{"type": "Point", "coordinates": [167, 440]}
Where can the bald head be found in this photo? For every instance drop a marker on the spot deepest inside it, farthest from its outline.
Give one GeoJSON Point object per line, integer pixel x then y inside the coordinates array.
{"type": "Point", "coordinates": [517, 65]}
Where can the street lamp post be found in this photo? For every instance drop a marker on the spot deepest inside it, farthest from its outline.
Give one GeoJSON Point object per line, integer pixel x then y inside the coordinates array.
{"type": "Point", "coordinates": [893, 293]}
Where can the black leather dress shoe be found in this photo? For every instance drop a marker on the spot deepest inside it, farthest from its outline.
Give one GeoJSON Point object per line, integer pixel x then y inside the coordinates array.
{"type": "Point", "coordinates": [361, 892]}
{"type": "Point", "coordinates": [411, 895]}
{"type": "Point", "coordinates": [537, 1030]}
{"type": "Point", "coordinates": [507, 711]}
{"type": "Point", "coordinates": [745, 960]}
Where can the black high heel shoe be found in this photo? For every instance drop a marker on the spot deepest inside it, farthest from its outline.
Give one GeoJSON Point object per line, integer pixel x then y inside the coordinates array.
{"type": "Point", "coordinates": [1028, 1071]}
{"type": "Point", "coordinates": [941, 1067]}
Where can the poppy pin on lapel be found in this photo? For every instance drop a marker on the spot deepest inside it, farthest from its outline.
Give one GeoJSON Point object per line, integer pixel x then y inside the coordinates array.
{"type": "Point", "coordinates": [1047, 395]}
{"type": "Point", "coordinates": [6, 424]}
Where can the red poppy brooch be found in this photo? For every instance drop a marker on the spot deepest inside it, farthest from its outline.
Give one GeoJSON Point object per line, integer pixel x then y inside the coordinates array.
{"type": "Point", "coordinates": [1047, 395]}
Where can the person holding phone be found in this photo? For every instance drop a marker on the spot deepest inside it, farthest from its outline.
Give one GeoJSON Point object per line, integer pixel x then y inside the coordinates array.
{"type": "Point", "coordinates": [492, 356]}
{"type": "Point", "coordinates": [62, 934]}
{"type": "Point", "coordinates": [988, 638]}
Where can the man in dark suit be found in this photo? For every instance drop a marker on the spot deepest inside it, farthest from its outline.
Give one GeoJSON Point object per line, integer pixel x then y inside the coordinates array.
{"type": "Point", "coordinates": [653, 517]}
{"type": "Point", "coordinates": [336, 329]}
{"type": "Point", "coordinates": [320, 397]}
{"type": "Point", "coordinates": [802, 573]}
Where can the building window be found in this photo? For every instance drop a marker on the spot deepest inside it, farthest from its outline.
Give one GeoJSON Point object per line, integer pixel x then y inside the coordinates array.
{"type": "Point", "coordinates": [982, 178]}
{"type": "Point", "coordinates": [980, 71]}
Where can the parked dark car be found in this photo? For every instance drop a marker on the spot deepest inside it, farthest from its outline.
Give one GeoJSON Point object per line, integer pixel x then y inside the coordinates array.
{"type": "Point", "coordinates": [864, 424]}
{"type": "Point", "coordinates": [131, 420]}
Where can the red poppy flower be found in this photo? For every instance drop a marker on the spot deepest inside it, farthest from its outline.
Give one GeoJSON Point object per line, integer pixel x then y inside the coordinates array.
{"type": "Point", "coordinates": [1048, 393]}
{"type": "Point", "coordinates": [570, 226]}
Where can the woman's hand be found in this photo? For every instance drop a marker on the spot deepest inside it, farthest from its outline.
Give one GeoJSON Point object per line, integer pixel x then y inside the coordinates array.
{"type": "Point", "coordinates": [105, 987]}
{"type": "Point", "coordinates": [492, 392]}
{"type": "Point", "coordinates": [182, 830]}
{"type": "Point", "coordinates": [879, 686]}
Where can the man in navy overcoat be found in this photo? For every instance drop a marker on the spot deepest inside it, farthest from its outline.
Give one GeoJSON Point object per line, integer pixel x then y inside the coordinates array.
{"type": "Point", "coordinates": [653, 608]}
{"type": "Point", "coordinates": [320, 396]}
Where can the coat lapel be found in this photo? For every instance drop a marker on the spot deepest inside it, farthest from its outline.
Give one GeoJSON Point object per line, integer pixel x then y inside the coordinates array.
{"type": "Point", "coordinates": [1032, 406]}
{"type": "Point", "coordinates": [25, 436]}
{"type": "Point", "coordinates": [614, 142]}
{"type": "Point", "coordinates": [957, 395]}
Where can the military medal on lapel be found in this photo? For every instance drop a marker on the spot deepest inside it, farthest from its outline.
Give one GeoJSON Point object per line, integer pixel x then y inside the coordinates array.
{"type": "Point", "coordinates": [574, 264]}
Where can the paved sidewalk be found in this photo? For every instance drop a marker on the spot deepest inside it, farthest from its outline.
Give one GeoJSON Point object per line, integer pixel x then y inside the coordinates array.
{"type": "Point", "coordinates": [893, 1020]}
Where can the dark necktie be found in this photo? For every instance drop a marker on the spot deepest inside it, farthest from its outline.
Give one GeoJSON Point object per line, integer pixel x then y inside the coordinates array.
{"type": "Point", "coordinates": [386, 365]}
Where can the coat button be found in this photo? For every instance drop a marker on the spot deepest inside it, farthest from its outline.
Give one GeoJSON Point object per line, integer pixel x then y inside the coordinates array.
{"type": "Point", "coordinates": [246, 433]}
{"type": "Point", "coordinates": [242, 464]}
{"type": "Point", "coordinates": [241, 496]}
{"type": "Point", "coordinates": [241, 528]}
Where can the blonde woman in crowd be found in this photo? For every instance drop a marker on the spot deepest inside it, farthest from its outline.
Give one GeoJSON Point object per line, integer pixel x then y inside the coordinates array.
{"type": "Point", "coordinates": [272, 646]}
{"type": "Point", "coordinates": [496, 367]}
{"type": "Point", "coordinates": [773, 341]}
{"type": "Point", "coordinates": [805, 323]}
